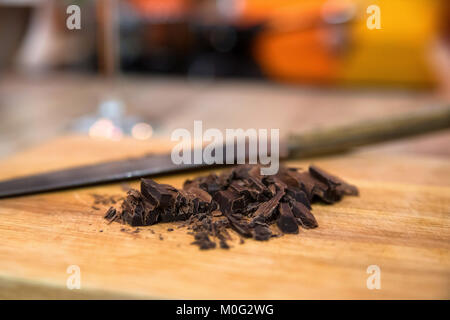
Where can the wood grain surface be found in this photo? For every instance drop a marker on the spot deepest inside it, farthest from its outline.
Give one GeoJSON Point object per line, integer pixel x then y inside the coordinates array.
{"type": "Point", "coordinates": [400, 222]}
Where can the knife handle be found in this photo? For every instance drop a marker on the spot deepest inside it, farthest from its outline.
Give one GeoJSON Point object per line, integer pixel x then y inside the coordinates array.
{"type": "Point", "coordinates": [342, 138]}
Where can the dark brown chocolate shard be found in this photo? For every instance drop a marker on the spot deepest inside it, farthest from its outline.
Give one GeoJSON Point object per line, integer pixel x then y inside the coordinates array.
{"type": "Point", "coordinates": [201, 194]}
{"type": "Point", "coordinates": [203, 241]}
{"type": "Point", "coordinates": [304, 216]}
{"type": "Point", "coordinates": [244, 189]}
{"type": "Point", "coordinates": [239, 226]}
{"type": "Point", "coordinates": [266, 210]}
{"type": "Point", "coordinates": [229, 201]}
{"type": "Point", "coordinates": [307, 184]}
{"type": "Point", "coordinates": [262, 232]}
{"type": "Point", "coordinates": [134, 217]}
{"type": "Point", "coordinates": [292, 178]}
{"type": "Point", "coordinates": [151, 215]}
{"type": "Point", "coordinates": [255, 178]}
{"type": "Point", "coordinates": [286, 221]}
{"type": "Point", "coordinates": [241, 172]}
{"type": "Point", "coordinates": [324, 176]}
{"type": "Point", "coordinates": [298, 195]}
{"type": "Point", "coordinates": [341, 187]}
{"type": "Point", "coordinates": [199, 200]}
{"type": "Point", "coordinates": [347, 190]}
{"type": "Point", "coordinates": [224, 199]}
{"type": "Point", "coordinates": [136, 211]}
{"type": "Point", "coordinates": [159, 195]}
{"type": "Point", "coordinates": [111, 214]}
{"type": "Point", "coordinates": [224, 244]}
{"type": "Point", "coordinates": [210, 183]}
{"type": "Point", "coordinates": [133, 209]}
{"type": "Point", "coordinates": [190, 183]}
{"type": "Point", "coordinates": [317, 189]}
{"type": "Point", "coordinates": [277, 182]}
{"type": "Point", "coordinates": [326, 194]}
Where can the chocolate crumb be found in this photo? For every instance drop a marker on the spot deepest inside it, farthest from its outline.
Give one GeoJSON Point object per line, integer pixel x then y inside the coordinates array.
{"type": "Point", "coordinates": [203, 241]}
{"type": "Point", "coordinates": [106, 199]}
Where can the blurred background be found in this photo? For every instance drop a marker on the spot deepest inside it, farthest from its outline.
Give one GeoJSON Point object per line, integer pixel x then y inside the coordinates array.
{"type": "Point", "coordinates": [137, 69]}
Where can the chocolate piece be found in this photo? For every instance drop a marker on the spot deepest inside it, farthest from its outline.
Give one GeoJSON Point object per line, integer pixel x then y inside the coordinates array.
{"type": "Point", "coordinates": [266, 209]}
{"type": "Point", "coordinates": [134, 209]}
{"type": "Point", "coordinates": [229, 201]}
{"type": "Point", "coordinates": [324, 176]}
{"type": "Point", "coordinates": [203, 241]}
{"type": "Point", "coordinates": [224, 244]}
{"type": "Point", "coordinates": [111, 214]}
{"type": "Point", "coordinates": [347, 189]}
{"type": "Point", "coordinates": [262, 232]}
{"type": "Point", "coordinates": [236, 223]}
{"type": "Point", "coordinates": [201, 194]}
{"type": "Point", "coordinates": [304, 216]}
{"type": "Point", "coordinates": [159, 195]}
{"type": "Point", "coordinates": [287, 222]}
{"type": "Point", "coordinates": [341, 187]}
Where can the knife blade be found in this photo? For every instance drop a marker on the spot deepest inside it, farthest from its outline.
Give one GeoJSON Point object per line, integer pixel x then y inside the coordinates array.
{"type": "Point", "coordinates": [316, 142]}
{"type": "Point", "coordinates": [149, 165]}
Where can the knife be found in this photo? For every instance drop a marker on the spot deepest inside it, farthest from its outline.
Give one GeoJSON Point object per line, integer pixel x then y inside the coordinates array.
{"type": "Point", "coordinates": [313, 143]}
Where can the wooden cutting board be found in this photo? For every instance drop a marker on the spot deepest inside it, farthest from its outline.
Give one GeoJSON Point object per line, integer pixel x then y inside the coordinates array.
{"type": "Point", "coordinates": [400, 222]}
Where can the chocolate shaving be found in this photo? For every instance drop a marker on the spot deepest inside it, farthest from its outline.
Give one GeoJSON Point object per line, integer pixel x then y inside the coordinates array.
{"type": "Point", "coordinates": [262, 232]}
{"type": "Point", "coordinates": [286, 221]}
{"type": "Point", "coordinates": [266, 210]}
{"type": "Point", "coordinates": [304, 217]}
{"type": "Point", "coordinates": [240, 199]}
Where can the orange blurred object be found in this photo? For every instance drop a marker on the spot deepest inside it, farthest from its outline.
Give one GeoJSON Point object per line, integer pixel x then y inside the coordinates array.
{"type": "Point", "coordinates": [297, 56]}
{"type": "Point", "coordinates": [161, 8]}
{"type": "Point", "coordinates": [329, 41]}
{"type": "Point", "coordinates": [297, 42]}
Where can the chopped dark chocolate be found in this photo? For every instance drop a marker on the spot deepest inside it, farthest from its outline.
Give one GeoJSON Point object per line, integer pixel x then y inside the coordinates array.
{"type": "Point", "coordinates": [240, 199]}
{"type": "Point", "coordinates": [203, 241]}
{"type": "Point", "coordinates": [111, 214]}
{"type": "Point", "coordinates": [160, 195]}
{"type": "Point", "coordinates": [262, 232]}
{"type": "Point", "coordinates": [286, 221]}
{"type": "Point", "coordinates": [266, 210]}
{"type": "Point", "coordinates": [304, 216]}
{"type": "Point", "coordinates": [239, 225]}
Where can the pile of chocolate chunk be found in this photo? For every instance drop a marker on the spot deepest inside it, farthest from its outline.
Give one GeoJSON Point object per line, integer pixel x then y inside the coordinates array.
{"type": "Point", "coordinates": [240, 199]}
